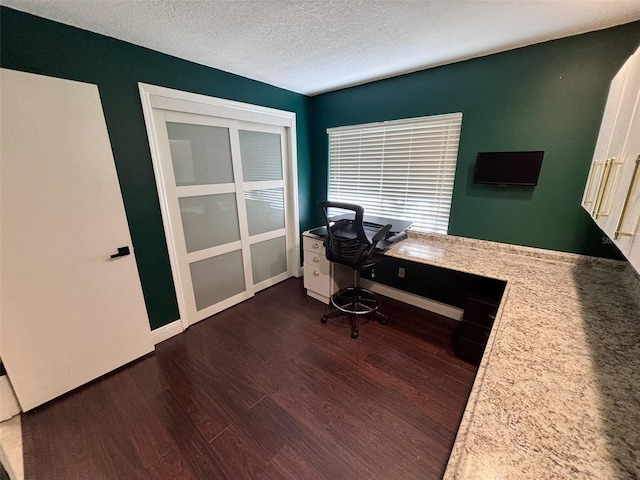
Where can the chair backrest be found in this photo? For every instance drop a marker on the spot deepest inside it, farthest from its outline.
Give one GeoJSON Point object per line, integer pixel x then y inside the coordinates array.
{"type": "Point", "coordinates": [346, 240]}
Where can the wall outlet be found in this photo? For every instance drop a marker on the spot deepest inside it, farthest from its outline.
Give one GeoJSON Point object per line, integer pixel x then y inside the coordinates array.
{"type": "Point", "coordinates": [400, 272]}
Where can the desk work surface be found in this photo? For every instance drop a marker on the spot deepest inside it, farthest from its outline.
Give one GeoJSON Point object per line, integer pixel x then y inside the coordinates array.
{"type": "Point", "coordinates": [557, 394]}
{"type": "Point", "coordinates": [371, 226]}
{"type": "Point", "coordinates": [370, 220]}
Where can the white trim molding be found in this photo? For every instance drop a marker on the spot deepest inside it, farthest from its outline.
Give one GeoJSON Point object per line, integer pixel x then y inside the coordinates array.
{"type": "Point", "coordinates": [166, 331]}
{"type": "Point", "coordinates": [415, 300]}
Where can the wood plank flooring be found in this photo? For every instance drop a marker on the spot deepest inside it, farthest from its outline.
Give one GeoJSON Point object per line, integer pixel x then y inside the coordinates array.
{"type": "Point", "coordinates": [263, 390]}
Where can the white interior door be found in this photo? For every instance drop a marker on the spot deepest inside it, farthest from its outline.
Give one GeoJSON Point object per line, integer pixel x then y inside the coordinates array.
{"type": "Point", "coordinates": [226, 174]}
{"type": "Point", "coordinates": [69, 312]}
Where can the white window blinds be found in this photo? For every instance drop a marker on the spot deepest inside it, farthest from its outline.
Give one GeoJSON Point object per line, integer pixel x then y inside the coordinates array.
{"type": "Point", "coordinates": [401, 169]}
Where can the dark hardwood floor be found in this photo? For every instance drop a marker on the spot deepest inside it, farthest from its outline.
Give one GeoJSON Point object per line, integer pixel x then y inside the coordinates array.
{"type": "Point", "coordinates": [263, 390]}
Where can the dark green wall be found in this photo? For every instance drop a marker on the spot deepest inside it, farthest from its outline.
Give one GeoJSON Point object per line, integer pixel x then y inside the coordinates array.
{"type": "Point", "coordinates": [36, 45]}
{"type": "Point", "coordinates": [549, 97]}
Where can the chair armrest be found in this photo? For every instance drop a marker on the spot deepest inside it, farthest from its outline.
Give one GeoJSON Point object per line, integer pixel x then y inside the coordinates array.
{"type": "Point", "coordinates": [381, 234]}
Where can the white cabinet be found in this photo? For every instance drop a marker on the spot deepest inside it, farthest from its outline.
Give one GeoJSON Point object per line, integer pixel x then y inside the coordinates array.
{"type": "Point", "coordinates": [612, 194]}
{"type": "Point", "coordinates": [626, 233]}
{"type": "Point", "coordinates": [318, 278]}
{"type": "Point", "coordinates": [599, 179]}
{"type": "Point", "coordinates": [322, 278]}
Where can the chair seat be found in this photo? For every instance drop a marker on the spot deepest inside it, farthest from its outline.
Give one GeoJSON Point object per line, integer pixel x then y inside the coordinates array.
{"type": "Point", "coordinates": [355, 301]}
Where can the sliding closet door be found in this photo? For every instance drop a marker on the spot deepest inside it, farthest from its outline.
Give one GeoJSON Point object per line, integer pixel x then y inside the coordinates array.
{"type": "Point", "coordinates": [227, 200]}
{"type": "Point", "coordinates": [262, 158]}
{"type": "Point", "coordinates": [206, 207]}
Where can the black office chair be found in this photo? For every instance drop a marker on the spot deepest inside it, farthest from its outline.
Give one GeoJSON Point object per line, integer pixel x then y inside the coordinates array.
{"type": "Point", "coordinates": [347, 243]}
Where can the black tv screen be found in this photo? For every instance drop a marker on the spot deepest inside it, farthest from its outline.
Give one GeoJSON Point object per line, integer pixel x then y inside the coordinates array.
{"type": "Point", "coordinates": [508, 168]}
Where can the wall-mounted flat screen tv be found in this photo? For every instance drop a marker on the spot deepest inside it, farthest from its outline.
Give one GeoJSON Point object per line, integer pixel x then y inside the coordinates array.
{"type": "Point", "coordinates": [508, 168]}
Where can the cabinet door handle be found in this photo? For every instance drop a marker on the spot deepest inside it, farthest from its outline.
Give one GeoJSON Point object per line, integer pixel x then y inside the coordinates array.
{"type": "Point", "coordinates": [632, 190]}
{"type": "Point", "coordinates": [603, 181]}
{"type": "Point", "coordinates": [602, 188]}
{"type": "Point", "coordinates": [610, 185]}
{"type": "Point", "coordinates": [592, 175]}
{"type": "Point", "coordinates": [316, 273]}
{"type": "Point", "coordinates": [316, 259]}
{"type": "Point", "coordinates": [316, 245]}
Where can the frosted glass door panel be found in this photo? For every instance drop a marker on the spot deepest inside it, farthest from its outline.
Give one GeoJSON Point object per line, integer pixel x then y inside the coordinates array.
{"type": "Point", "coordinates": [268, 259]}
{"type": "Point", "coordinates": [209, 220]}
{"type": "Point", "coordinates": [200, 154]}
{"type": "Point", "coordinates": [261, 156]}
{"type": "Point", "coordinates": [217, 278]}
{"type": "Point", "coordinates": [265, 210]}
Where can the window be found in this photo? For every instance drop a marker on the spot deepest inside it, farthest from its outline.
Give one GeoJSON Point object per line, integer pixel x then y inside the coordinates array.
{"type": "Point", "coordinates": [401, 169]}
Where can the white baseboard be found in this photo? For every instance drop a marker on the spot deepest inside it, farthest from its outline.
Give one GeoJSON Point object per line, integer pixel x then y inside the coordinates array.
{"type": "Point", "coordinates": [415, 300]}
{"type": "Point", "coordinates": [166, 331]}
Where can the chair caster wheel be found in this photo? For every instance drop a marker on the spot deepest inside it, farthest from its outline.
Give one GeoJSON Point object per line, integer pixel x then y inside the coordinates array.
{"type": "Point", "coordinates": [355, 333]}
{"type": "Point", "coordinates": [383, 321]}
{"type": "Point", "coordinates": [324, 319]}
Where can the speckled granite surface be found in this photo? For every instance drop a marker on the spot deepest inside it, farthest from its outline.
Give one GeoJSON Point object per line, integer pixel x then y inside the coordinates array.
{"type": "Point", "coordinates": [557, 394]}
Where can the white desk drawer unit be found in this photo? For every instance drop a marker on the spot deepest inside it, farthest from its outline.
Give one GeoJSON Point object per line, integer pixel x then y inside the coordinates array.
{"type": "Point", "coordinates": [318, 278]}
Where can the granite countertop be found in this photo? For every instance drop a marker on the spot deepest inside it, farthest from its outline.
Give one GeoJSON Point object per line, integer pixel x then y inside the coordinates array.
{"type": "Point", "coordinates": [557, 394]}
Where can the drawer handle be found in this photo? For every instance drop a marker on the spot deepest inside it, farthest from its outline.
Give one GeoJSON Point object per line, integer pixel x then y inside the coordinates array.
{"type": "Point", "coordinates": [316, 259]}
{"type": "Point", "coordinates": [316, 245]}
{"type": "Point", "coordinates": [316, 273]}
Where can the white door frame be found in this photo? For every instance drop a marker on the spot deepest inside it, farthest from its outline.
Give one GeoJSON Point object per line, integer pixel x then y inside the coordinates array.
{"type": "Point", "coordinates": [153, 96]}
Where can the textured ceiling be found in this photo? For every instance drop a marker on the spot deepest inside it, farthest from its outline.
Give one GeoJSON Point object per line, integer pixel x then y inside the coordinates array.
{"type": "Point", "coordinates": [313, 46]}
